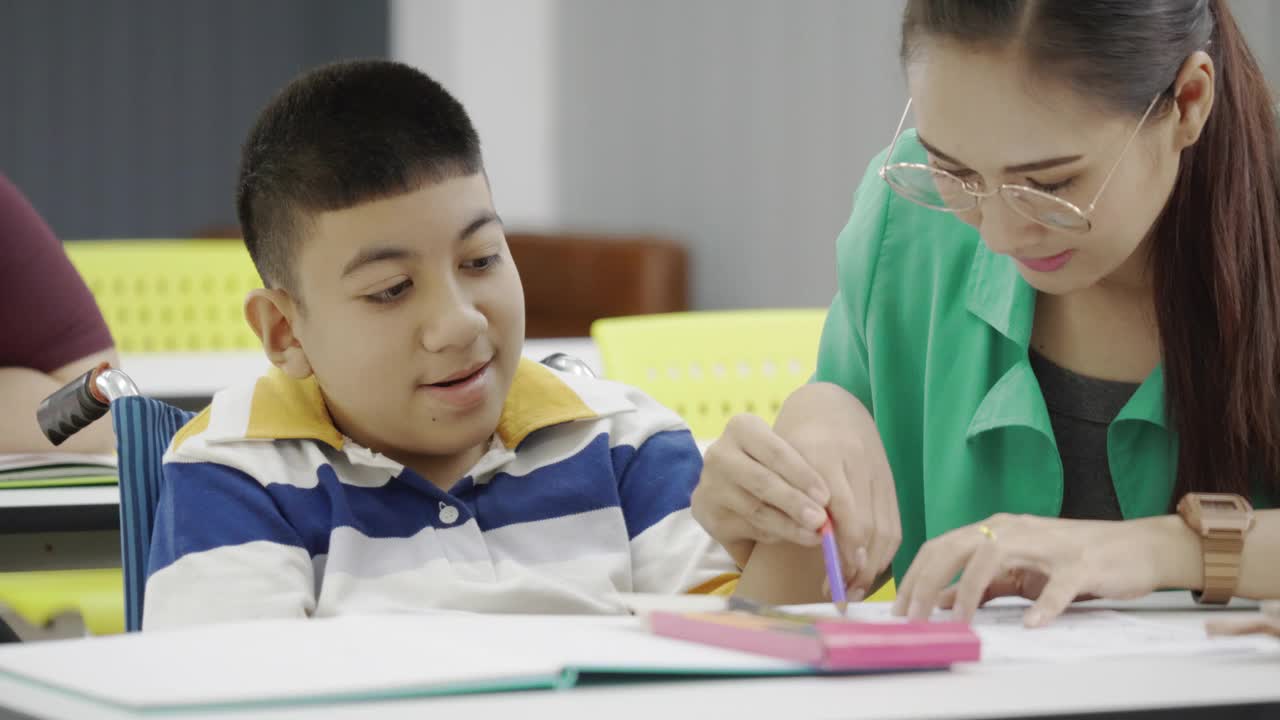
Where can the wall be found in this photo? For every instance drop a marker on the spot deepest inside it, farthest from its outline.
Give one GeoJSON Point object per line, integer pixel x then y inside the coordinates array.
{"type": "Point", "coordinates": [738, 126]}
{"type": "Point", "coordinates": [125, 118]}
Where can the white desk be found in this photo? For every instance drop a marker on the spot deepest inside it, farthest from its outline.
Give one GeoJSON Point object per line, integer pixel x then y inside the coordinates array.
{"type": "Point", "coordinates": [94, 495]}
{"type": "Point", "coordinates": [970, 691]}
{"type": "Point", "coordinates": [171, 375]}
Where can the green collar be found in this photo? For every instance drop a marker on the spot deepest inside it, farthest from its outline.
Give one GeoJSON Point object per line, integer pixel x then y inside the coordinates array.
{"type": "Point", "coordinates": [1001, 298]}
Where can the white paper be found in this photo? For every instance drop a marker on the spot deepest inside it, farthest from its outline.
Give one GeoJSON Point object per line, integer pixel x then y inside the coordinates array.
{"type": "Point", "coordinates": [1084, 633]}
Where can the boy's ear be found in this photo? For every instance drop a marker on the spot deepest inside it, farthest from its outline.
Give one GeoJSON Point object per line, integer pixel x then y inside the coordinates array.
{"type": "Point", "coordinates": [271, 313]}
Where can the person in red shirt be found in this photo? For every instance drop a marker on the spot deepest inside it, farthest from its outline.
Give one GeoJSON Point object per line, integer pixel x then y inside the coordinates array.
{"type": "Point", "coordinates": [50, 328]}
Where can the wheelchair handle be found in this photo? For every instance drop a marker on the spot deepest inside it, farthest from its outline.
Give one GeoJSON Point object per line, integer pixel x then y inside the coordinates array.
{"type": "Point", "coordinates": [568, 364]}
{"type": "Point", "coordinates": [74, 406]}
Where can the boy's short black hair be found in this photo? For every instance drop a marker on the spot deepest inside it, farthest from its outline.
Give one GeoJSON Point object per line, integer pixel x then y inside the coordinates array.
{"type": "Point", "coordinates": [338, 136]}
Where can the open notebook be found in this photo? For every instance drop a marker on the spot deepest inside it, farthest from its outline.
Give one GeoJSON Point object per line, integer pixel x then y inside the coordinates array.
{"type": "Point", "coordinates": [352, 658]}
{"type": "Point", "coordinates": [349, 659]}
{"type": "Point", "coordinates": [56, 469]}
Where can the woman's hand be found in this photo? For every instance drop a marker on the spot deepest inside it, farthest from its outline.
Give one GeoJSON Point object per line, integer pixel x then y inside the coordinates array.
{"type": "Point", "coordinates": [1049, 560]}
{"type": "Point", "coordinates": [1265, 623]}
{"type": "Point", "coordinates": [762, 484]}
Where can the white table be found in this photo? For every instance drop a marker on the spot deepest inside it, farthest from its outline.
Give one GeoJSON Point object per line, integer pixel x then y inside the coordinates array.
{"type": "Point", "coordinates": [184, 375]}
{"type": "Point", "coordinates": [971, 691]}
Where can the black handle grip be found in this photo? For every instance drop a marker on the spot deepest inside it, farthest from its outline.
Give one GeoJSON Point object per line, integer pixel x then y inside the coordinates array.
{"type": "Point", "coordinates": [71, 408]}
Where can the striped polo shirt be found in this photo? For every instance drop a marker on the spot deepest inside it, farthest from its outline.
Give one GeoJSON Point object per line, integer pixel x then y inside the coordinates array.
{"type": "Point", "coordinates": [266, 510]}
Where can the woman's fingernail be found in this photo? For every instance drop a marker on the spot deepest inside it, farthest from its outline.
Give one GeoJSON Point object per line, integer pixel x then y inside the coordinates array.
{"type": "Point", "coordinates": [860, 558]}
{"type": "Point", "coordinates": [858, 595]}
{"type": "Point", "coordinates": [813, 518]}
{"type": "Point", "coordinates": [917, 609]}
{"type": "Point", "coordinates": [1034, 618]}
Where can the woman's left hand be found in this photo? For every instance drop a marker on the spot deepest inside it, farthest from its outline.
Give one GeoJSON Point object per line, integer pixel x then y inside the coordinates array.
{"type": "Point", "coordinates": [1049, 560]}
{"type": "Point", "coordinates": [1265, 623]}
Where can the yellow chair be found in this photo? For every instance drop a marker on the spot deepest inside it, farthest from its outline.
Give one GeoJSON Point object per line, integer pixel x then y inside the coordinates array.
{"type": "Point", "coordinates": [170, 295]}
{"type": "Point", "coordinates": [97, 595]}
{"type": "Point", "coordinates": [710, 366]}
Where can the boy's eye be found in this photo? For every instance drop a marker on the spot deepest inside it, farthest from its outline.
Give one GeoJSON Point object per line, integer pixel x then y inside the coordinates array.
{"type": "Point", "coordinates": [390, 294]}
{"type": "Point", "coordinates": [1051, 187]}
{"type": "Point", "coordinates": [483, 263]}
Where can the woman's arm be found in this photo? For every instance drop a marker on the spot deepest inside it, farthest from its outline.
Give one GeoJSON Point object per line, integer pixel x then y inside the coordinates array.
{"type": "Point", "coordinates": [1181, 559]}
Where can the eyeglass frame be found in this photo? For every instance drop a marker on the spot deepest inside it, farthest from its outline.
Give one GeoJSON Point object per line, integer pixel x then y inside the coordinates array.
{"type": "Point", "coordinates": [1086, 214]}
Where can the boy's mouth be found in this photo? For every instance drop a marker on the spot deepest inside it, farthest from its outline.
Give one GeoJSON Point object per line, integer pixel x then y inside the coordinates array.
{"type": "Point", "coordinates": [461, 377]}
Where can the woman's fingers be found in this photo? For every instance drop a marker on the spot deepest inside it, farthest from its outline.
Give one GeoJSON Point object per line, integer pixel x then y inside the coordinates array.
{"type": "Point", "coordinates": [886, 534]}
{"type": "Point", "coordinates": [984, 566]}
{"type": "Point", "coordinates": [857, 522]}
{"type": "Point", "coordinates": [935, 565]}
{"type": "Point", "coordinates": [1258, 625]}
{"type": "Point", "coordinates": [738, 492]}
{"type": "Point", "coordinates": [1058, 593]}
{"type": "Point", "coordinates": [758, 441]}
{"type": "Point", "coordinates": [755, 518]}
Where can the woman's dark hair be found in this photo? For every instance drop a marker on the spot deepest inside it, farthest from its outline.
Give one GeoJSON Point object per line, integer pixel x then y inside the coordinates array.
{"type": "Point", "coordinates": [1215, 250]}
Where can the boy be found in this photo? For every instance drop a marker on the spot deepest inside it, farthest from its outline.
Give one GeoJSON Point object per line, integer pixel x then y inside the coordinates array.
{"type": "Point", "coordinates": [401, 456]}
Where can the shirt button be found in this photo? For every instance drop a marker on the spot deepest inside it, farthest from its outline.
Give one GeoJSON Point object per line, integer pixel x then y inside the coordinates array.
{"type": "Point", "coordinates": [448, 514]}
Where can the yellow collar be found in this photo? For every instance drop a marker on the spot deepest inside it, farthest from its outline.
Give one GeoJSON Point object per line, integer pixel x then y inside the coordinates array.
{"type": "Point", "coordinates": [287, 409]}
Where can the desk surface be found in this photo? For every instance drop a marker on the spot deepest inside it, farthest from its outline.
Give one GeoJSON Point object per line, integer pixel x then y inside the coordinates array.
{"type": "Point", "coordinates": [978, 691]}
{"type": "Point", "coordinates": [60, 496]}
{"type": "Point", "coordinates": [170, 375]}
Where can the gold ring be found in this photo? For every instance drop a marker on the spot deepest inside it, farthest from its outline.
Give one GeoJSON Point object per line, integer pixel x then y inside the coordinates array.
{"type": "Point", "coordinates": [987, 531]}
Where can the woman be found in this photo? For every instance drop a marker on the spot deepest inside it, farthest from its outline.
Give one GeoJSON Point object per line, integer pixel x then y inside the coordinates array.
{"type": "Point", "coordinates": [1058, 317]}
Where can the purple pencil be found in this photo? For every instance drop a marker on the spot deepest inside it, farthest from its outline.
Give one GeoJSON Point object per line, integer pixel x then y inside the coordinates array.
{"type": "Point", "coordinates": [835, 577]}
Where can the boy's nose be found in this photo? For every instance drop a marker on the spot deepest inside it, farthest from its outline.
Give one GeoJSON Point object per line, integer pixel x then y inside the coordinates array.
{"type": "Point", "coordinates": [452, 321]}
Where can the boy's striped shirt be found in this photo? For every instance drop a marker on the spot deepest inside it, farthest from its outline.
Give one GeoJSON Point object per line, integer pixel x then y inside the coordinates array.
{"type": "Point", "coordinates": [266, 510]}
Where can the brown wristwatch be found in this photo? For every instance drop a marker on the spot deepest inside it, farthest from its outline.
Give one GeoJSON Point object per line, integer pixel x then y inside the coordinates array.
{"type": "Point", "coordinates": [1222, 521]}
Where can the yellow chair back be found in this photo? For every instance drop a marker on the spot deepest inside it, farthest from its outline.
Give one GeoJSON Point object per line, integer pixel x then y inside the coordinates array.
{"type": "Point", "coordinates": [710, 366]}
{"type": "Point", "coordinates": [38, 595]}
{"type": "Point", "coordinates": [170, 295]}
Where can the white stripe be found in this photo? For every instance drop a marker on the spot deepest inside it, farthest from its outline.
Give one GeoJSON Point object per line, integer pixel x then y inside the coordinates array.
{"type": "Point", "coordinates": [675, 554]}
{"type": "Point", "coordinates": [239, 582]}
{"type": "Point", "coordinates": [568, 538]}
{"type": "Point", "coordinates": [475, 555]}
{"type": "Point", "coordinates": [353, 553]}
{"type": "Point", "coordinates": [581, 586]}
{"type": "Point", "coordinates": [284, 462]}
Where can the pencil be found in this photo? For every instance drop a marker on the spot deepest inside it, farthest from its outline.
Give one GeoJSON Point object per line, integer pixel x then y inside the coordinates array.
{"type": "Point", "coordinates": [835, 577]}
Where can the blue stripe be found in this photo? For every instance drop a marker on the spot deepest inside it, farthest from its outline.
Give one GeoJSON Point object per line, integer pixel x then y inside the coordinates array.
{"type": "Point", "coordinates": [143, 430]}
{"type": "Point", "coordinates": [135, 563]}
{"type": "Point", "coordinates": [658, 479]}
{"type": "Point", "coordinates": [581, 483]}
{"type": "Point", "coordinates": [205, 505]}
